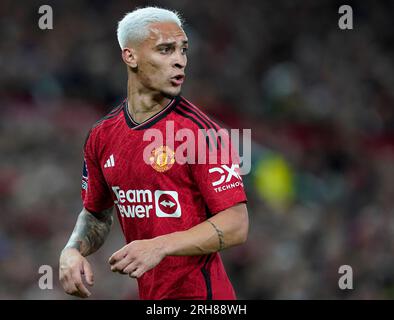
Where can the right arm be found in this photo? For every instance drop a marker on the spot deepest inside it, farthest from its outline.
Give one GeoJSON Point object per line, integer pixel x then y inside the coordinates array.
{"type": "Point", "coordinates": [90, 231]}
{"type": "Point", "coordinates": [88, 236]}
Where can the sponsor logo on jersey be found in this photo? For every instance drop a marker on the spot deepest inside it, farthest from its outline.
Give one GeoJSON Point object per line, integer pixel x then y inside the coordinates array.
{"type": "Point", "coordinates": [224, 175]}
{"type": "Point", "coordinates": [167, 204]}
{"type": "Point", "coordinates": [162, 158]}
{"type": "Point", "coordinates": [141, 203]}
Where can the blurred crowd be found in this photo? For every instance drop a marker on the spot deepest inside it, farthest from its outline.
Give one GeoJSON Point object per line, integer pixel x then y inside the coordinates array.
{"type": "Point", "coordinates": [319, 102]}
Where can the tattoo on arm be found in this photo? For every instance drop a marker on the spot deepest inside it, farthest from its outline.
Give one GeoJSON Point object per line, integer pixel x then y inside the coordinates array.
{"type": "Point", "coordinates": [220, 235]}
{"type": "Point", "coordinates": [90, 231]}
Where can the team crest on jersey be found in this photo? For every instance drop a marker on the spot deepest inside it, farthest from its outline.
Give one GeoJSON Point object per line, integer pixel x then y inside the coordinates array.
{"type": "Point", "coordinates": [162, 158]}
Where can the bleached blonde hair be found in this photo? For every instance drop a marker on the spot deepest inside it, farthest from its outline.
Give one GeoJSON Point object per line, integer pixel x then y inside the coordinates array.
{"type": "Point", "coordinates": [134, 25]}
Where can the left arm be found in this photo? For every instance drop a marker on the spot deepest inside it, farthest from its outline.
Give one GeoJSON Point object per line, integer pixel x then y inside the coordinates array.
{"type": "Point", "coordinates": [225, 229]}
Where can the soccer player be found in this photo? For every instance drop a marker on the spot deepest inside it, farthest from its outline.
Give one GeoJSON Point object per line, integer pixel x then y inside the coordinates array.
{"type": "Point", "coordinates": [175, 216]}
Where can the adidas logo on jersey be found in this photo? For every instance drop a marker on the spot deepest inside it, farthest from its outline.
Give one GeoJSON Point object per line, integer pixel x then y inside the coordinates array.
{"type": "Point", "coordinates": [110, 162]}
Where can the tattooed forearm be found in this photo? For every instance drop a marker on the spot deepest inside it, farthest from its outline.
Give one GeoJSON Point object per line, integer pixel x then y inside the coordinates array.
{"type": "Point", "coordinates": [220, 235]}
{"type": "Point", "coordinates": [90, 231]}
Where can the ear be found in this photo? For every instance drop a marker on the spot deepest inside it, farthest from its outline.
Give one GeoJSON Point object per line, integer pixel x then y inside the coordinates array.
{"type": "Point", "coordinates": [129, 56]}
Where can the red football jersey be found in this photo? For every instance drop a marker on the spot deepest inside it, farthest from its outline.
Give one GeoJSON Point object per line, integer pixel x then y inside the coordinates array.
{"type": "Point", "coordinates": [155, 194]}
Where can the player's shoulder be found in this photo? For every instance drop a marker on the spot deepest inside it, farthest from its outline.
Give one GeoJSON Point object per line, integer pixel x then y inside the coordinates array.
{"type": "Point", "coordinates": [107, 121]}
{"type": "Point", "coordinates": [193, 116]}
{"type": "Point", "coordinates": [110, 118]}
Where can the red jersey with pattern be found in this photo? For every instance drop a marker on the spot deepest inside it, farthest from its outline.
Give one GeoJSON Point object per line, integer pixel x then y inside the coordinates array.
{"type": "Point", "coordinates": [160, 185]}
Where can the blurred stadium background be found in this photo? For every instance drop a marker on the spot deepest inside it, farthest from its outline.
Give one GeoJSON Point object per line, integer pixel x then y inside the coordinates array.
{"type": "Point", "coordinates": [319, 101]}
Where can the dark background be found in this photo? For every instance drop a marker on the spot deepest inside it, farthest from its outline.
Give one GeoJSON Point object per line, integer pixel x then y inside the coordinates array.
{"type": "Point", "coordinates": [319, 101]}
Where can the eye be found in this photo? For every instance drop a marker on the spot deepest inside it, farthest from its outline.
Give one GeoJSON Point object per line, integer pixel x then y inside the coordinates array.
{"type": "Point", "coordinates": [164, 50]}
{"type": "Point", "coordinates": [184, 50]}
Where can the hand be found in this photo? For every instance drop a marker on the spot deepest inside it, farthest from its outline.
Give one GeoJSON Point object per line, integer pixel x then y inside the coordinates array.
{"type": "Point", "coordinates": [71, 268]}
{"type": "Point", "coordinates": [137, 257]}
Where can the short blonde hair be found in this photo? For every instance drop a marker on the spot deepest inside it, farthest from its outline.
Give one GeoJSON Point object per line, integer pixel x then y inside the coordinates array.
{"type": "Point", "coordinates": [134, 25]}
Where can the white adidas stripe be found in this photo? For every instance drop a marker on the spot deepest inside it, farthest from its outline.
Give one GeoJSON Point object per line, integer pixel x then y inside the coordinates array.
{"type": "Point", "coordinates": [110, 162]}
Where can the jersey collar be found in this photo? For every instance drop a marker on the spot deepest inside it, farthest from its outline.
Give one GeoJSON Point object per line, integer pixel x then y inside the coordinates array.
{"type": "Point", "coordinates": [153, 119]}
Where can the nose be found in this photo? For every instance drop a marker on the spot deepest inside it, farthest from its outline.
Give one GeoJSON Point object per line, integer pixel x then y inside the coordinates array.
{"type": "Point", "coordinates": [180, 60]}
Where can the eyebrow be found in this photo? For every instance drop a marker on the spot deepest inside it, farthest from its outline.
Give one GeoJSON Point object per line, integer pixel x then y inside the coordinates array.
{"type": "Point", "coordinates": [171, 43]}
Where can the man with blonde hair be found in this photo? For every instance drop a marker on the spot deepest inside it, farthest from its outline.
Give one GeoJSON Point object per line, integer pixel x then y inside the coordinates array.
{"type": "Point", "coordinates": [175, 217]}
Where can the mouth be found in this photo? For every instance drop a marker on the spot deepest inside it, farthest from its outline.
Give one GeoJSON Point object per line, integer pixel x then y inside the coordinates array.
{"type": "Point", "coordinates": [178, 79]}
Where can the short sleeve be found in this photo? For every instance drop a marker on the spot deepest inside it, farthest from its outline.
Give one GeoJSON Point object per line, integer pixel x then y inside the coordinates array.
{"type": "Point", "coordinates": [95, 193]}
{"type": "Point", "coordinates": [218, 179]}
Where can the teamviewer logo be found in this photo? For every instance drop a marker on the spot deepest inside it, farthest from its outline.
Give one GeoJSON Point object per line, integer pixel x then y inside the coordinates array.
{"type": "Point", "coordinates": [167, 204]}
